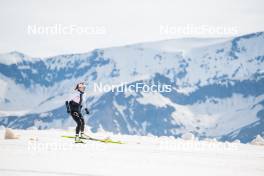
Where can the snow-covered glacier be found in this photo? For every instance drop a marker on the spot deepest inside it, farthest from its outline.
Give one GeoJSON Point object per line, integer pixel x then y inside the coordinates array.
{"type": "Point", "coordinates": [217, 88]}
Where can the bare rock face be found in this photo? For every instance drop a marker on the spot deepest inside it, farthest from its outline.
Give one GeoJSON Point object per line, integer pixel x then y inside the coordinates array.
{"type": "Point", "coordinates": [9, 134]}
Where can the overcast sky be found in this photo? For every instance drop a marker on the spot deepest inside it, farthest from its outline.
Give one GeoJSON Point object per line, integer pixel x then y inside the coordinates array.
{"type": "Point", "coordinates": [119, 22]}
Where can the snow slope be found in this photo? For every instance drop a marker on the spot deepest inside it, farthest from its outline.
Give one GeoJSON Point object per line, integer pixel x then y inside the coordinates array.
{"type": "Point", "coordinates": [141, 155]}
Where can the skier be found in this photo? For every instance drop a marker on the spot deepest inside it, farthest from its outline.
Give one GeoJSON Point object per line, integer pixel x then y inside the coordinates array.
{"type": "Point", "coordinates": [74, 107]}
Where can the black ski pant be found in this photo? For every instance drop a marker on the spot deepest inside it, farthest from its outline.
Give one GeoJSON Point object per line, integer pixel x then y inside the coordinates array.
{"type": "Point", "coordinates": [78, 118]}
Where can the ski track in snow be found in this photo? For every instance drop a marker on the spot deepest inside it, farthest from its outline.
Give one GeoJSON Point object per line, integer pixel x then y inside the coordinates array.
{"type": "Point", "coordinates": [141, 155]}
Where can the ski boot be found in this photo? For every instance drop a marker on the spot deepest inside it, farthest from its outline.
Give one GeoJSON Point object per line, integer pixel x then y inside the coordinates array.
{"type": "Point", "coordinates": [78, 140]}
{"type": "Point", "coordinates": [85, 136]}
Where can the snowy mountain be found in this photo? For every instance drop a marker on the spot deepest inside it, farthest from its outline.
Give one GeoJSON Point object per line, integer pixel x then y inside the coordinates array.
{"type": "Point", "coordinates": [217, 88]}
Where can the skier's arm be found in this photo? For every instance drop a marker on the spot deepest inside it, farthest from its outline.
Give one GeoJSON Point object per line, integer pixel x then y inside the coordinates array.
{"type": "Point", "coordinates": [68, 107]}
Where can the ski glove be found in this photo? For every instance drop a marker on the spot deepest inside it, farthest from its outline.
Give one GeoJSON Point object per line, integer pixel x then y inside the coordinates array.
{"type": "Point", "coordinates": [68, 107]}
{"type": "Point", "coordinates": [87, 111]}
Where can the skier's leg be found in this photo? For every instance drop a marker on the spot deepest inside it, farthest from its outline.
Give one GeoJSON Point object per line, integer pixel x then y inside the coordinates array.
{"type": "Point", "coordinates": [76, 118]}
{"type": "Point", "coordinates": [82, 124]}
